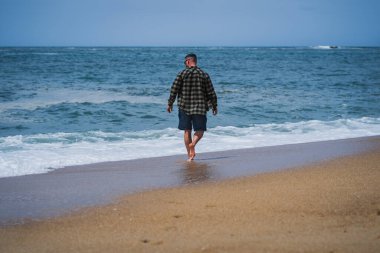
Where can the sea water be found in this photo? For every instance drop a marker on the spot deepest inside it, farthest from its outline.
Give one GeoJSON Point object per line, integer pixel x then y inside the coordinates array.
{"type": "Point", "coordinates": [72, 106]}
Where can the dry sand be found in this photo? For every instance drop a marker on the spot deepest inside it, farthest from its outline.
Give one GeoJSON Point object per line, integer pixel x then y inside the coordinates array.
{"type": "Point", "coordinates": [333, 206]}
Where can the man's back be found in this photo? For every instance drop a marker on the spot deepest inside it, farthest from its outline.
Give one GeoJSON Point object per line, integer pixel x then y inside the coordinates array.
{"type": "Point", "coordinates": [195, 91]}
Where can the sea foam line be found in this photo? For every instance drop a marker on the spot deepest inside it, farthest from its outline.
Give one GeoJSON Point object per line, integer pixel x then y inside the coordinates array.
{"type": "Point", "coordinates": [59, 96]}
{"type": "Point", "coordinates": [31, 154]}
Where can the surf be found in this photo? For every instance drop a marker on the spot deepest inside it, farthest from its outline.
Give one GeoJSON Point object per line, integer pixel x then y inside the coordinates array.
{"type": "Point", "coordinates": [41, 153]}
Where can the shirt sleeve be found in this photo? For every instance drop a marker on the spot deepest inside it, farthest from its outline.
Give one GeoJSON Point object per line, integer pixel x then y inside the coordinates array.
{"type": "Point", "coordinates": [210, 93]}
{"type": "Point", "coordinates": [175, 89]}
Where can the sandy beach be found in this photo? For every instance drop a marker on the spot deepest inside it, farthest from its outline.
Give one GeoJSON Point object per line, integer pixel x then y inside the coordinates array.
{"type": "Point", "coordinates": [328, 205]}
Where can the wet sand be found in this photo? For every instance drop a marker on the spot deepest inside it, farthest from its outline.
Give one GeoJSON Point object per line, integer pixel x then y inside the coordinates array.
{"type": "Point", "coordinates": [328, 206]}
{"type": "Point", "coordinates": [71, 188]}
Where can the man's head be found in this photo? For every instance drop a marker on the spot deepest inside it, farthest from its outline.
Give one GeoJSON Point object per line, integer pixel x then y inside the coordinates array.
{"type": "Point", "coordinates": [190, 60]}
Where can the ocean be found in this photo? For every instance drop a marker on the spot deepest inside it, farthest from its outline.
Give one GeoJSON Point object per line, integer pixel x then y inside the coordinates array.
{"type": "Point", "coordinates": [64, 106]}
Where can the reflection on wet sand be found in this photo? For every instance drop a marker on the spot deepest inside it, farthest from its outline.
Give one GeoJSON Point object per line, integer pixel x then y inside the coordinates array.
{"type": "Point", "coordinates": [195, 172]}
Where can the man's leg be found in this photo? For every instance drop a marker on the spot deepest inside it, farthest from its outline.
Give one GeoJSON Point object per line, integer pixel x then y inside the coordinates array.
{"type": "Point", "coordinates": [197, 137]}
{"type": "Point", "coordinates": [185, 125]}
{"type": "Point", "coordinates": [188, 141]}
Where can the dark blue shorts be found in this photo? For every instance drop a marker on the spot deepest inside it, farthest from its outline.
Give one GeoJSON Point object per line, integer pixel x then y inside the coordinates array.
{"type": "Point", "coordinates": [188, 122]}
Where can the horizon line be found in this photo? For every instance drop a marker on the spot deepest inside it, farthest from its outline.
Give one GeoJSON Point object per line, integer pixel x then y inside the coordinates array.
{"type": "Point", "coordinates": [178, 46]}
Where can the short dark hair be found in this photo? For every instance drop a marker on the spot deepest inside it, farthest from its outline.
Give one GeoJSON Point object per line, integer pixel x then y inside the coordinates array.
{"type": "Point", "coordinates": [191, 55]}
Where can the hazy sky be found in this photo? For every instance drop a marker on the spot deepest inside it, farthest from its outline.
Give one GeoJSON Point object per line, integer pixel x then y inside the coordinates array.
{"type": "Point", "coordinates": [189, 23]}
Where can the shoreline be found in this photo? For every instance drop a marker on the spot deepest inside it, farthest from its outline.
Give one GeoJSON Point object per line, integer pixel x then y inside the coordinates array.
{"type": "Point", "coordinates": [40, 196]}
{"type": "Point", "coordinates": [326, 206]}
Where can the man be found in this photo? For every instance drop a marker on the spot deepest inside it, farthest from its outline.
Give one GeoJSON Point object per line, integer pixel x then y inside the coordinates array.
{"type": "Point", "coordinates": [196, 95]}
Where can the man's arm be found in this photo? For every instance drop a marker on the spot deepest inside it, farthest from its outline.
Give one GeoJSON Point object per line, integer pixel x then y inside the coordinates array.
{"type": "Point", "coordinates": [211, 95]}
{"type": "Point", "coordinates": [174, 92]}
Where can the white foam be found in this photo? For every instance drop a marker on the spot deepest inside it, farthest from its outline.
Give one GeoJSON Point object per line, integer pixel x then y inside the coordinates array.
{"type": "Point", "coordinates": [324, 47]}
{"type": "Point", "coordinates": [21, 155]}
{"type": "Point", "coordinates": [46, 98]}
{"type": "Point", "coordinates": [52, 53]}
{"type": "Point", "coordinates": [292, 133]}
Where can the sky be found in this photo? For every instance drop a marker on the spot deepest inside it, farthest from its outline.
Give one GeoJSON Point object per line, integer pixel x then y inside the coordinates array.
{"type": "Point", "coordinates": [189, 23]}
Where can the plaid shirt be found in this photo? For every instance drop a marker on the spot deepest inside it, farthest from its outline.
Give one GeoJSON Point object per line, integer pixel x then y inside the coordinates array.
{"type": "Point", "coordinates": [195, 91]}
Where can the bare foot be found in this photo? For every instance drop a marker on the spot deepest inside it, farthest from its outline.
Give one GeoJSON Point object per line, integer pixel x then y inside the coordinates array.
{"type": "Point", "coordinates": [191, 152]}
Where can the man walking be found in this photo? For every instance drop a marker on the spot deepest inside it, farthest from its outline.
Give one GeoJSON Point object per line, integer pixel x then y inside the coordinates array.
{"type": "Point", "coordinates": [196, 94]}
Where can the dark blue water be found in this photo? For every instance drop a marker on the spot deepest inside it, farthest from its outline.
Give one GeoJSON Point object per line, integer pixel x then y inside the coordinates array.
{"type": "Point", "coordinates": [44, 90]}
{"type": "Point", "coordinates": [70, 98]}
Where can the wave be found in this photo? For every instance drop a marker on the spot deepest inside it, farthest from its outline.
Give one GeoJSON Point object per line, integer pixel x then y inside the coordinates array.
{"type": "Point", "coordinates": [60, 96]}
{"type": "Point", "coordinates": [46, 53]}
{"type": "Point", "coordinates": [325, 47]}
{"type": "Point", "coordinates": [40, 153]}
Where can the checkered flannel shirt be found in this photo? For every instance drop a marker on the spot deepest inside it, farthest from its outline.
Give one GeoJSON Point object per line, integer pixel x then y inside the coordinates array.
{"type": "Point", "coordinates": [195, 91]}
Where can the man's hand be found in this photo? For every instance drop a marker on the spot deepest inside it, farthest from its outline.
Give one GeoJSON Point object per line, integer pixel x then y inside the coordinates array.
{"type": "Point", "coordinates": [215, 111]}
{"type": "Point", "coordinates": [169, 109]}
